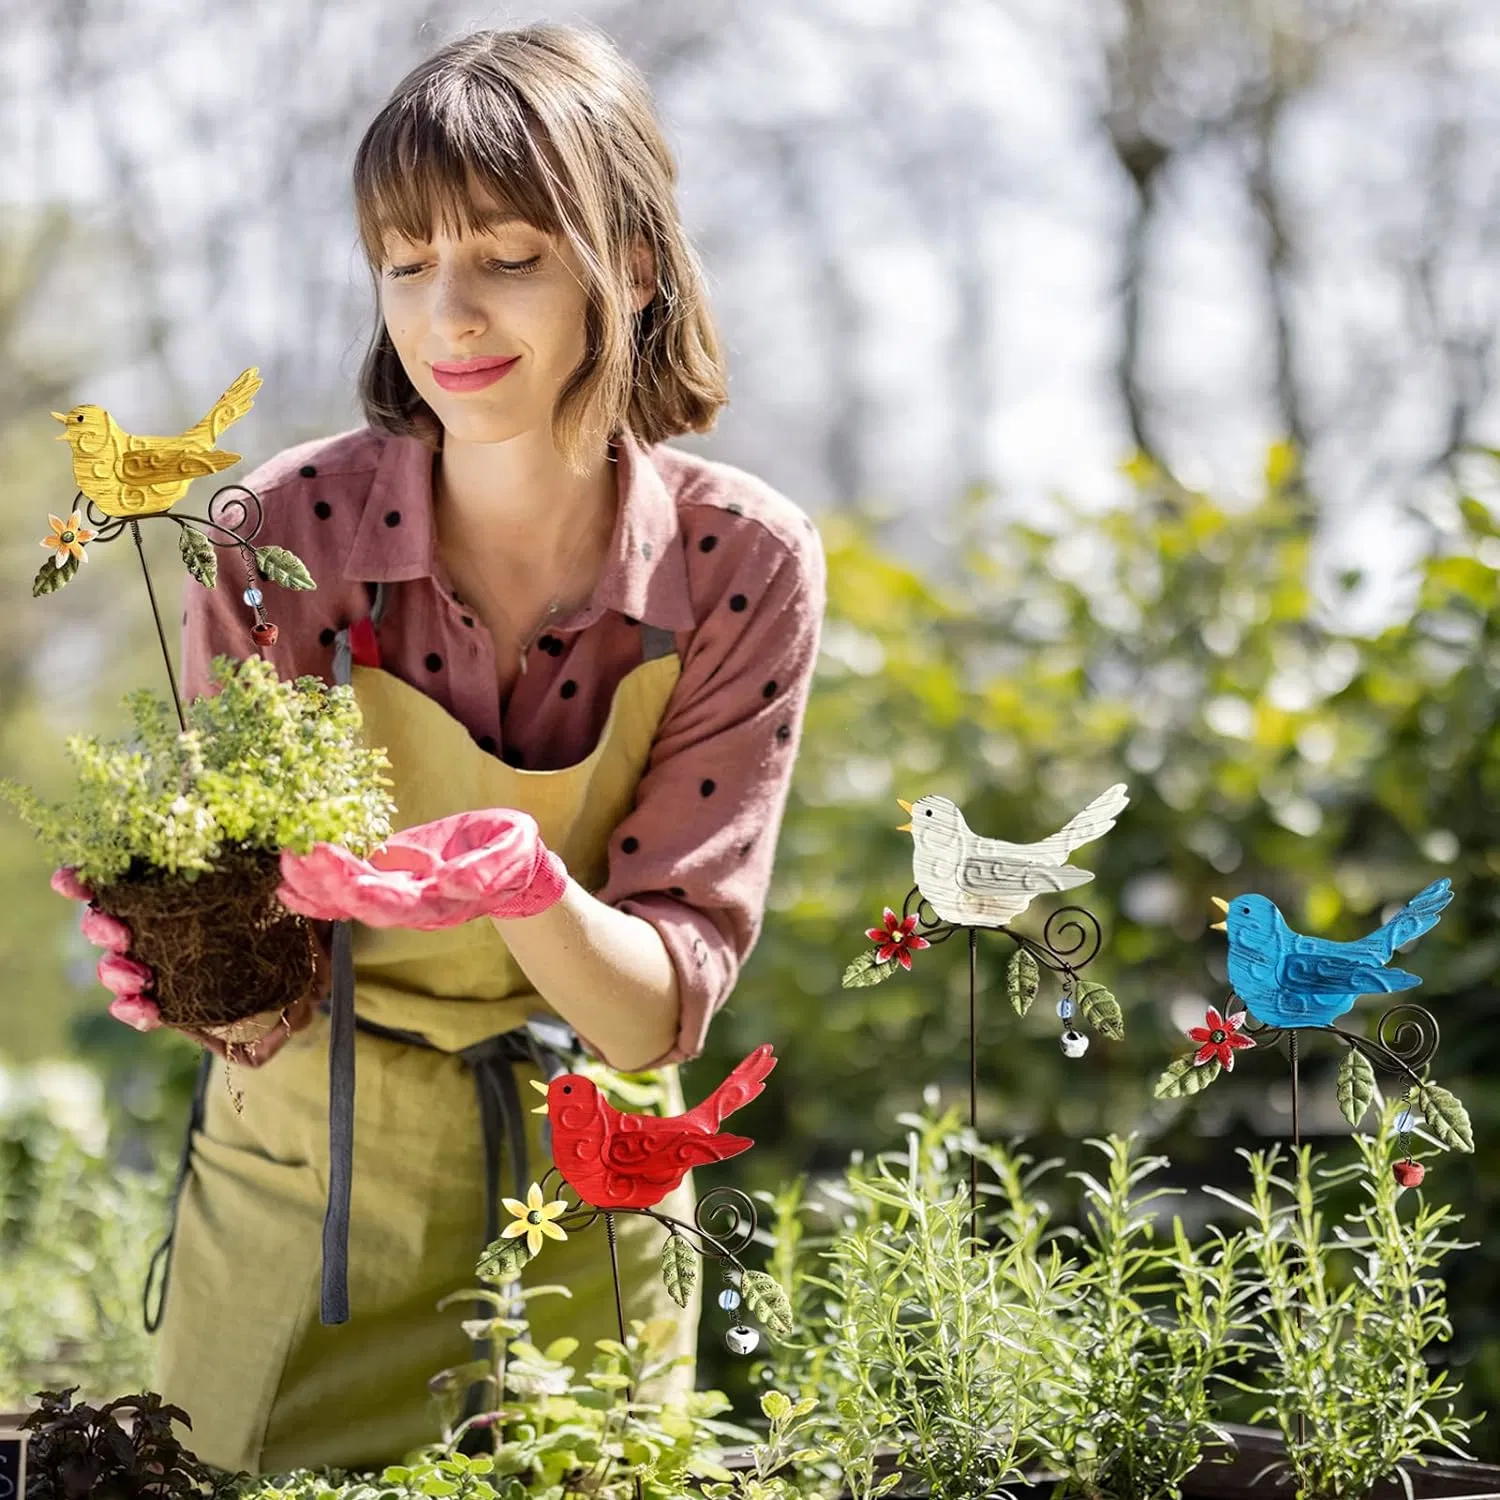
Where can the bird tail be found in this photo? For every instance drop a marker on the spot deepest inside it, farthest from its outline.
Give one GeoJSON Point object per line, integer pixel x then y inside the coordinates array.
{"type": "Point", "coordinates": [228, 409]}
{"type": "Point", "coordinates": [1419, 915]}
{"type": "Point", "coordinates": [743, 1084]}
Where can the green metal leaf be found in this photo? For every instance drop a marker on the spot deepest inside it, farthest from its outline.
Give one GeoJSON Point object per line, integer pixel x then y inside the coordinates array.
{"type": "Point", "coordinates": [283, 567]}
{"type": "Point", "coordinates": [49, 577]}
{"type": "Point", "coordinates": [1023, 978]}
{"type": "Point", "coordinates": [1183, 1078]}
{"type": "Point", "coordinates": [1446, 1118]}
{"type": "Point", "coordinates": [679, 1269]}
{"type": "Point", "coordinates": [1356, 1085]}
{"type": "Point", "coordinates": [766, 1299]}
{"type": "Point", "coordinates": [198, 556]}
{"type": "Point", "coordinates": [1101, 1010]}
{"type": "Point", "coordinates": [867, 969]}
{"type": "Point", "coordinates": [503, 1259]}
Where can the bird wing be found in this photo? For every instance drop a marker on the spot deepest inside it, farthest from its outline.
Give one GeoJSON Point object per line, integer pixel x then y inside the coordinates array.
{"type": "Point", "coordinates": [661, 1150]}
{"type": "Point", "coordinates": [228, 409]}
{"type": "Point", "coordinates": [982, 875]}
{"type": "Point", "coordinates": [1328, 974]}
{"type": "Point", "coordinates": [163, 465]}
{"type": "Point", "coordinates": [1093, 822]}
{"type": "Point", "coordinates": [742, 1085]}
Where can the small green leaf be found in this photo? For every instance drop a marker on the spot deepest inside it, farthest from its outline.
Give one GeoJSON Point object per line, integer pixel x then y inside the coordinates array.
{"type": "Point", "coordinates": [198, 556]}
{"type": "Point", "coordinates": [1101, 1010]}
{"type": "Point", "coordinates": [1023, 978]}
{"type": "Point", "coordinates": [1183, 1078]}
{"type": "Point", "coordinates": [766, 1299]}
{"type": "Point", "coordinates": [1356, 1085]}
{"type": "Point", "coordinates": [679, 1269]}
{"type": "Point", "coordinates": [502, 1260]}
{"type": "Point", "coordinates": [1446, 1118]}
{"type": "Point", "coordinates": [775, 1405]}
{"type": "Point", "coordinates": [867, 969]}
{"type": "Point", "coordinates": [50, 577]}
{"type": "Point", "coordinates": [283, 567]}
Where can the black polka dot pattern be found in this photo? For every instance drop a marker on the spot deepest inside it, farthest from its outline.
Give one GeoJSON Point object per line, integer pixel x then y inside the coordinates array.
{"type": "Point", "coordinates": [468, 620]}
{"type": "Point", "coordinates": [706, 788]}
{"type": "Point", "coordinates": [784, 732]}
{"type": "Point", "coordinates": [708, 544]}
{"type": "Point", "coordinates": [745, 847]}
{"type": "Point", "coordinates": [769, 690]}
{"type": "Point", "coordinates": [487, 743]}
{"type": "Point", "coordinates": [569, 688]}
{"type": "Point", "coordinates": [434, 662]}
{"type": "Point", "coordinates": [677, 890]}
{"type": "Point", "coordinates": [307, 471]}
{"type": "Point", "coordinates": [393, 518]}
{"type": "Point", "coordinates": [326, 637]}
{"type": "Point", "coordinates": [322, 510]}
{"type": "Point", "coordinates": [738, 603]}
{"type": "Point", "coordinates": [630, 844]}
{"type": "Point", "coordinates": [551, 645]}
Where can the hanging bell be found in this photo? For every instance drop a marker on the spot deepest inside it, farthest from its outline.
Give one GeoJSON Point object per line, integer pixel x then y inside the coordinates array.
{"type": "Point", "coordinates": [1074, 1043]}
{"type": "Point", "coordinates": [741, 1340]}
{"type": "Point", "coordinates": [1409, 1174]}
{"type": "Point", "coordinates": [264, 632]}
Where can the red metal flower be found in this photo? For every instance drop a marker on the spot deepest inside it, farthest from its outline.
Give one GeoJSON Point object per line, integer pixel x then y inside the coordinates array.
{"type": "Point", "coordinates": [896, 938]}
{"type": "Point", "coordinates": [1220, 1036]}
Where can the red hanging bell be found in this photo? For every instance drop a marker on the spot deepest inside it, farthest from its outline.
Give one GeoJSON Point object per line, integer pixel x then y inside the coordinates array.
{"type": "Point", "coordinates": [1409, 1173]}
{"type": "Point", "coordinates": [265, 633]}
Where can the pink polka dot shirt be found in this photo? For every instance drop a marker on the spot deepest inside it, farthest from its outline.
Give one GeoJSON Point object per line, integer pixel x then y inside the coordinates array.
{"type": "Point", "coordinates": [731, 567]}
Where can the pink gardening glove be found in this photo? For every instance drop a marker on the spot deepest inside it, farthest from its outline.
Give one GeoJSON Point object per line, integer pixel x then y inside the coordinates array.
{"type": "Point", "coordinates": [128, 979]}
{"type": "Point", "coordinates": [488, 863]}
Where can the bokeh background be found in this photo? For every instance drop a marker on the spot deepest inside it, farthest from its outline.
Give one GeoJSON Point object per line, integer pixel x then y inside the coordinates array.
{"type": "Point", "coordinates": [1137, 361]}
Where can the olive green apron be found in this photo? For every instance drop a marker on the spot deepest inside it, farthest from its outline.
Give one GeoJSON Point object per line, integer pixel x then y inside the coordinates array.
{"type": "Point", "coordinates": [247, 1346]}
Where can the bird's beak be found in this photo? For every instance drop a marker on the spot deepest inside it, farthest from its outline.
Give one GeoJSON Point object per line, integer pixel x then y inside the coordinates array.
{"type": "Point", "coordinates": [905, 807]}
{"type": "Point", "coordinates": [62, 436]}
{"type": "Point", "coordinates": [1223, 906]}
{"type": "Point", "coordinates": [541, 1088]}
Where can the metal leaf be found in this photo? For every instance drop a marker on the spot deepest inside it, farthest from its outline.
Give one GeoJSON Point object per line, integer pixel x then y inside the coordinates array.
{"type": "Point", "coordinates": [503, 1260]}
{"type": "Point", "coordinates": [766, 1299]}
{"type": "Point", "coordinates": [867, 969]}
{"type": "Point", "coordinates": [1356, 1085]}
{"type": "Point", "coordinates": [1184, 1078]}
{"type": "Point", "coordinates": [49, 577]}
{"type": "Point", "coordinates": [198, 556]}
{"type": "Point", "coordinates": [1101, 1010]}
{"type": "Point", "coordinates": [679, 1269]}
{"type": "Point", "coordinates": [1023, 978]}
{"type": "Point", "coordinates": [283, 567]}
{"type": "Point", "coordinates": [1446, 1118]}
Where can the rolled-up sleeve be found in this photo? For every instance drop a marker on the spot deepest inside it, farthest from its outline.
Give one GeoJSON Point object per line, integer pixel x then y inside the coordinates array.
{"type": "Point", "coordinates": [694, 856]}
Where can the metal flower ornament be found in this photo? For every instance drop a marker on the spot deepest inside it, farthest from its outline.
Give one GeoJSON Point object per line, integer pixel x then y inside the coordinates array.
{"type": "Point", "coordinates": [614, 1162]}
{"type": "Point", "coordinates": [1290, 983]}
{"type": "Point", "coordinates": [124, 478]}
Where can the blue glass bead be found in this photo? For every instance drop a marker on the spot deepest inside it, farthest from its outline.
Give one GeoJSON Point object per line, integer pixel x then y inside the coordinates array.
{"type": "Point", "coordinates": [1065, 1009]}
{"type": "Point", "coordinates": [1404, 1121]}
{"type": "Point", "coordinates": [729, 1299]}
{"type": "Point", "coordinates": [252, 596]}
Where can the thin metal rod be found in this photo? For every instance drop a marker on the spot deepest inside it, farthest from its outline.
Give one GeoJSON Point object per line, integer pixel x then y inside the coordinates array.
{"type": "Point", "coordinates": [614, 1267]}
{"type": "Point", "coordinates": [1297, 1144]}
{"type": "Point", "coordinates": [973, 1093]}
{"type": "Point", "coordinates": [161, 635]}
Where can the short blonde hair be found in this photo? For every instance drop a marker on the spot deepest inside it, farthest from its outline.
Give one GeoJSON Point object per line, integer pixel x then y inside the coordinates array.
{"type": "Point", "coordinates": [560, 128]}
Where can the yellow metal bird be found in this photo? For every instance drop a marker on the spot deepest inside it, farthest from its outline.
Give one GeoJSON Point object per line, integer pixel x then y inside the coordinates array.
{"type": "Point", "coordinates": [127, 475]}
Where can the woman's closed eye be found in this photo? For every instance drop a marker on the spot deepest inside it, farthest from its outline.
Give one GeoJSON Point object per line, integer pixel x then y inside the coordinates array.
{"type": "Point", "coordinates": [508, 267]}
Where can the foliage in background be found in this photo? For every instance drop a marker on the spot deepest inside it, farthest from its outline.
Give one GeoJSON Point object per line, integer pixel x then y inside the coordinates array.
{"type": "Point", "coordinates": [263, 764]}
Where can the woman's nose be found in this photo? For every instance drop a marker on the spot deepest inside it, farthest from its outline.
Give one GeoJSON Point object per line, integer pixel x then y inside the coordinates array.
{"type": "Point", "coordinates": [457, 309]}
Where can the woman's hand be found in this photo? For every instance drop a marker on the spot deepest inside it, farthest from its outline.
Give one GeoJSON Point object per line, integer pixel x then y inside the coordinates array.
{"type": "Point", "coordinates": [131, 982]}
{"type": "Point", "coordinates": [487, 863]}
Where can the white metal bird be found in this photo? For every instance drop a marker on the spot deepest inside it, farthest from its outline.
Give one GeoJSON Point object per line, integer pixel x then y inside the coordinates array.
{"type": "Point", "coordinates": [978, 882]}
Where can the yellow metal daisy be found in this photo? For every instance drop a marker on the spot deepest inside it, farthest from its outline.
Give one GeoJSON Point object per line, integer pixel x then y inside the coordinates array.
{"type": "Point", "coordinates": [534, 1219]}
{"type": "Point", "coordinates": [68, 538]}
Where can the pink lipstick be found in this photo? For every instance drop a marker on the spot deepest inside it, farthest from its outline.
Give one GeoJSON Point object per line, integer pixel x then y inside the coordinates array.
{"type": "Point", "coordinates": [471, 374]}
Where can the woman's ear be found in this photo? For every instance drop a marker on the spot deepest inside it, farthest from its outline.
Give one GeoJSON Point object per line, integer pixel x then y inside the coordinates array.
{"type": "Point", "coordinates": [642, 273]}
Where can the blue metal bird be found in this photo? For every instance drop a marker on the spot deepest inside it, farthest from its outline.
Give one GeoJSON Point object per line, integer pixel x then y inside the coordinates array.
{"type": "Point", "coordinates": [1289, 980]}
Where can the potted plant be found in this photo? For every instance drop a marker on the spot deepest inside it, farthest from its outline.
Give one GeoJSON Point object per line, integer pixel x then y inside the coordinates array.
{"type": "Point", "coordinates": [177, 832]}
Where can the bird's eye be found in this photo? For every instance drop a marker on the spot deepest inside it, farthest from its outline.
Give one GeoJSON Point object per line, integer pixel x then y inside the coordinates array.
{"type": "Point", "coordinates": [567, 1088]}
{"type": "Point", "coordinates": [928, 811]}
{"type": "Point", "coordinates": [79, 417]}
{"type": "Point", "coordinates": [1246, 910]}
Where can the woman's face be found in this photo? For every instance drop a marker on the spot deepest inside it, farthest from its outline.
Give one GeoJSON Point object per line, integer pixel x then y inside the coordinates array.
{"type": "Point", "coordinates": [510, 293]}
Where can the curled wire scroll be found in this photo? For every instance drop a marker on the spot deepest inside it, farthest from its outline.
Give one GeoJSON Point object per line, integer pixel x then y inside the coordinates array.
{"type": "Point", "coordinates": [1075, 925]}
{"type": "Point", "coordinates": [235, 515]}
{"type": "Point", "coordinates": [1405, 1041]}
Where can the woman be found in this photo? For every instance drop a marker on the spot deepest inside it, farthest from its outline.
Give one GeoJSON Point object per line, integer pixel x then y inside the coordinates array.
{"type": "Point", "coordinates": [545, 610]}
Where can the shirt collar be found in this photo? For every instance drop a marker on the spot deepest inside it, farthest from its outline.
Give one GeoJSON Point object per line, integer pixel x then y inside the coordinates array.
{"type": "Point", "coordinates": [645, 570]}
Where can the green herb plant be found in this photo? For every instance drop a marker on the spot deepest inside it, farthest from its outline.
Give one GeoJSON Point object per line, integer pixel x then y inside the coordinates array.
{"type": "Point", "coordinates": [264, 765]}
{"type": "Point", "coordinates": [1344, 1323]}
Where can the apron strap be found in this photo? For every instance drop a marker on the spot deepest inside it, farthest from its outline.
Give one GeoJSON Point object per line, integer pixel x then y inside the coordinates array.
{"type": "Point", "coordinates": [656, 641]}
{"type": "Point", "coordinates": [159, 1270]}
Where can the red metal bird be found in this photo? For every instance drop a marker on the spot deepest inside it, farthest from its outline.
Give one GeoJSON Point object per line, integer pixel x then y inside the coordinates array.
{"type": "Point", "coordinates": [614, 1160]}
